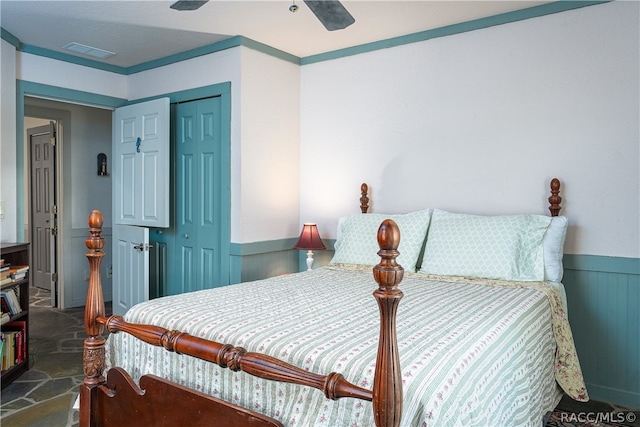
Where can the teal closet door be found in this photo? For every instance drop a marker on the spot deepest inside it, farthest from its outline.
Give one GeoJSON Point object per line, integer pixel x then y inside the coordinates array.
{"type": "Point", "coordinates": [198, 255]}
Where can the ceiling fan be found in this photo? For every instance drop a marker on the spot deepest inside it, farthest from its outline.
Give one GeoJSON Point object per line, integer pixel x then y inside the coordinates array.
{"type": "Point", "coordinates": [331, 13]}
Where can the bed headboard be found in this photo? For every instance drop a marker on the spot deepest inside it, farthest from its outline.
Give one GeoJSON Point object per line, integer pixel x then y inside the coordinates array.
{"type": "Point", "coordinates": [554, 199]}
{"type": "Point", "coordinates": [364, 199]}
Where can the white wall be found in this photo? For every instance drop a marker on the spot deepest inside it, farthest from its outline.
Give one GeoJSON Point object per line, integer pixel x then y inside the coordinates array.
{"type": "Point", "coordinates": [270, 151]}
{"type": "Point", "coordinates": [39, 69]}
{"type": "Point", "coordinates": [480, 121]}
{"type": "Point", "coordinates": [8, 183]}
{"type": "Point", "coordinates": [264, 133]}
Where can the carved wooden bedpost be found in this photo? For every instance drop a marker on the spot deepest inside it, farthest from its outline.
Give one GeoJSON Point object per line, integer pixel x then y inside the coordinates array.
{"type": "Point", "coordinates": [94, 350]}
{"type": "Point", "coordinates": [364, 199]}
{"type": "Point", "coordinates": [555, 199]}
{"type": "Point", "coordinates": [387, 383]}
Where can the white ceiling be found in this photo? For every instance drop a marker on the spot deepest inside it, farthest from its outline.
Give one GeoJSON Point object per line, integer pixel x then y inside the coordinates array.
{"type": "Point", "coordinates": [145, 30]}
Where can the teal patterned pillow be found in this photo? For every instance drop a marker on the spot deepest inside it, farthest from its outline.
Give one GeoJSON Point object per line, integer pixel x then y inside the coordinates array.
{"type": "Point", "coordinates": [495, 247]}
{"type": "Point", "coordinates": [357, 241]}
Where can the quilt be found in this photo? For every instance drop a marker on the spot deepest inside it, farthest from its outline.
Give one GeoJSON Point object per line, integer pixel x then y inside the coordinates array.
{"type": "Point", "coordinates": [473, 352]}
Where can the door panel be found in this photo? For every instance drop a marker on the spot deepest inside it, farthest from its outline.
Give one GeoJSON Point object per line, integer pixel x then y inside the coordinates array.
{"type": "Point", "coordinates": [141, 163]}
{"type": "Point", "coordinates": [130, 267]}
{"type": "Point", "coordinates": [198, 197]}
{"type": "Point", "coordinates": [141, 154]}
{"type": "Point", "coordinates": [43, 217]}
{"type": "Point", "coordinates": [151, 191]}
{"type": "Point", "coordinates": [127, 193]}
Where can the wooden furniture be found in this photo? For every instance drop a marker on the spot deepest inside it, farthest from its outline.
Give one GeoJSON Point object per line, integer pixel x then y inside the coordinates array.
{"type": "Point", "coordinates": [117, 400]}
{"type": "Point", "coordinates": [98, 395]}
{"type": "Point", "coordinates": [17, 254]}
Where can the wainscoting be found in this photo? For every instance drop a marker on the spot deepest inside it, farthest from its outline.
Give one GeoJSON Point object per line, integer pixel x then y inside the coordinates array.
{"type": "Point", "coordinates": [603, 296]}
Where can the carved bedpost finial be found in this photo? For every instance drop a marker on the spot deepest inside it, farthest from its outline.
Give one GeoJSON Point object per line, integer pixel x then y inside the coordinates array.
{"type": "Point", "coordinates": [388, 273]}
{"type": "Point", "coordinates": [364, 200]}
{"type": "Point", "coordinates": [555, 199]}
{"type": "Point", "coordinates": [387, 383]}
{"type": "Point", "coordinates": [94, 357]}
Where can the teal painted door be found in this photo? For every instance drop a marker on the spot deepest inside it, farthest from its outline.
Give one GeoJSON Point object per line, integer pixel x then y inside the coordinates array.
{"type": "Point", "coordinates": [200, 256]}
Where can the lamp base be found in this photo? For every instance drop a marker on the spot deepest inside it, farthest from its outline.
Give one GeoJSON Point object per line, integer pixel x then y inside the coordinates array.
{"type": "Point", "coordinates": [309, 259]}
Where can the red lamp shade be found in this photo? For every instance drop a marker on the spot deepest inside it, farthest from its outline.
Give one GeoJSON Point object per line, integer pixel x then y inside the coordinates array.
{"type": "Point", "coordinates": [309, 238]}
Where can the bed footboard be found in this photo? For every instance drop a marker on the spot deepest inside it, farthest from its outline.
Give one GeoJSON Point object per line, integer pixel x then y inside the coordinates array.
{"type": "Point", "coordinates": [97, 395]}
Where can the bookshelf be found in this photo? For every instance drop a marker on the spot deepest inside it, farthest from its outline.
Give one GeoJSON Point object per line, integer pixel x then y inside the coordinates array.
{"type": "Point", "coordinates": [17, 326]}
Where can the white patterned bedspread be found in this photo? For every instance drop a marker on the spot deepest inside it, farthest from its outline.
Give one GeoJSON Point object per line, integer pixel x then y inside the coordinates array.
{"type": "Point", "coordinates": [471, 354]}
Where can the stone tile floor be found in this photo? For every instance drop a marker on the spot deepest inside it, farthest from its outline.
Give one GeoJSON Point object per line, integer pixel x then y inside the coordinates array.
{"type": "Point", "coordinates": [44, 395]}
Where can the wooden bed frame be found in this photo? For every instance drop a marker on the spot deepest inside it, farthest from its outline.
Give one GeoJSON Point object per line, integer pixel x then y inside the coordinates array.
{"type": "Point", "coordinates": [118, 401]}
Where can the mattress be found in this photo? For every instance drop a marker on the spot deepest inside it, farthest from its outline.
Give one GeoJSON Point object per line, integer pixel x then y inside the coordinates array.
{"type": "Point", "coordinates": [473, 352]}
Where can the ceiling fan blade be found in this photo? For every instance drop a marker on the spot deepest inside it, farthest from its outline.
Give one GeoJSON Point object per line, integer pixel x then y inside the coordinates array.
{"type": "Point", "coordinates": [188, 4]}
{"type": "Point", "coordinates": [331, 13]}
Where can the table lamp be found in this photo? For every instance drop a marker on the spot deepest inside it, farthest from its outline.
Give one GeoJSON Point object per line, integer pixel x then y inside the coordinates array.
{"type": "Point", "coordinates": [309, 240]}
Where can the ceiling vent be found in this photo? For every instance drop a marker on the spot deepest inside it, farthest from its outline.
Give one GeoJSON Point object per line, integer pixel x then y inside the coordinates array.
{"type": "Point", "coordinates": [88, 50]}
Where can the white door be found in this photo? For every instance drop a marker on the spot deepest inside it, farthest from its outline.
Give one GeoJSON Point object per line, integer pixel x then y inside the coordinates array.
{"type": "Point", "coordinates": [140, 195]}
{"type": "Point", "coordinates": [131, 256]}
{"type": "Point", "coordinates": [141, 164]}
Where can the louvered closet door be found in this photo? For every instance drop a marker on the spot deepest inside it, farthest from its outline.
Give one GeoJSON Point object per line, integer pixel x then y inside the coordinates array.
{"type": "Point", "coordinates": [198, 198]}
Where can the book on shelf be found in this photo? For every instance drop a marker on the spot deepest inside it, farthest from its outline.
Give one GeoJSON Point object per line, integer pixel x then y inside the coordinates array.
{"type": "Point", "coordinates": [4, 304]}
{"type": "Point", "coordinates": [5, 281]}
{"type": "Point", "coordinates": [4, 318]}
{"type": "Point", "coordinates": [15, 301]}
{"type": "Point", "coordinates": [18, 276]}
{"type": "Point", "coordinates": [10, 302]}
{"type": "Point", "coordinates": [9, 351]}
{"type": "Point", "coordinates": [18, 272]}
{"type": "Point", "coordinates": [15, 334]}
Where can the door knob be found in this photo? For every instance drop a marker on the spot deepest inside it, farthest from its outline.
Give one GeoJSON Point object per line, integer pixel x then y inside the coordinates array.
{"type": "Point", "coordinates": [142, 247]}
{"type": "Point", "coordinates": [186, 236]}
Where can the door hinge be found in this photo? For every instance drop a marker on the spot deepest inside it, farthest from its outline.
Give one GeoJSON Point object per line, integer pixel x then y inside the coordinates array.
{"type": "Point", "coordinates": [54, 209]}
{"type": "Point", "coordinates": [52, 141]}
{"type": "Point", "coordinates": [142, 247]}
{"type": "Point", "coordinates": [54, 231]}
{"type": "Point", "coordinates": [54, 277]}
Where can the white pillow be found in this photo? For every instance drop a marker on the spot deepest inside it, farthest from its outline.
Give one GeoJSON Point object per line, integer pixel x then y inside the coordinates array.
{"type": "Point", "coordinates": [553, 246]}
{"type": "Point", "coordinates": [357, 238]}
{"type": "Point", "coordinates": [505, 247]}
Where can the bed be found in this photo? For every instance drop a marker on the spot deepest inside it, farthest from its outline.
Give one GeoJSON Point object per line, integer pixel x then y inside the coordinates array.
{"type": "Point", "coordinates": [481, 336]}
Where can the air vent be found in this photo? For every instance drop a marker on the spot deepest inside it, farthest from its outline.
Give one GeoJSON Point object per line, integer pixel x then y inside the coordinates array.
{"type": "Point", "coordinates": [88, 50]}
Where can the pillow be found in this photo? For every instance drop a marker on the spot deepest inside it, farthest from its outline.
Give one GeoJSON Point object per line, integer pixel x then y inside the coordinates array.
{"type": "Point", "coordinates": [495, 247]}
{"type": "Point", "coordinates": [553, 246]}
{"type": "Point", "coordinates": [357, 238]}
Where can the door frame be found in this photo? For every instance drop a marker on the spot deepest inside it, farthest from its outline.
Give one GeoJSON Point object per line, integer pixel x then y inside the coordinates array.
{"type": "Point", "coordinates": [62, 121]}
{"type": "Point", "coordinates": [38, 90]}
{"type": "Point", "coordinates": [57, 126]}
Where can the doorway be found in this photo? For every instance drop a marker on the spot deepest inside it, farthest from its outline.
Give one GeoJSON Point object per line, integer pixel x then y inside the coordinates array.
{"type": "Point", "coordinates": [79, 188]}
{"type": "Point", "coordinates": [43, 210]}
